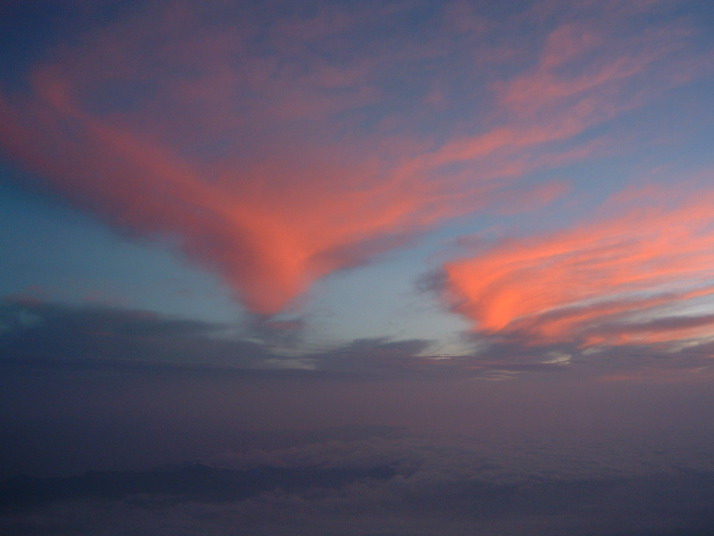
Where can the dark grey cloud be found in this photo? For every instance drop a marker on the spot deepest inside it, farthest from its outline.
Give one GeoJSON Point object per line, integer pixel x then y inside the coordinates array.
{"type": "Point", "coordinates": [81, 337]}
{"type": "Point", "coordinates": [375, 356]}
{"type": "Point", "coordinates": [276, 331]}
{"type": "Point", "coordinates": [191, 482]}
{"type": "Point", "coordinates": [468, 453]}
{"type": "Point", "coordinates": [427, 487]}
{"type": "Point", "coordinates": [31, 330]}
{"type": "Point", "coordinates": [65, 337]}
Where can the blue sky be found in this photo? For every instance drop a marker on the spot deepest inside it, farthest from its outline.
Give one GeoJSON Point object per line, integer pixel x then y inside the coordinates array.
{"type": "Point", "coordinates": [621, 96]}
{"type": "Point", "coordinates": [284, 233]}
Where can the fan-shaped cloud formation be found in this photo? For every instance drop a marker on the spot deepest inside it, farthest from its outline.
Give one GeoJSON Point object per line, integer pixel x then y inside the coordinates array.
{"type": "Point", "coordinates": [278, 144]}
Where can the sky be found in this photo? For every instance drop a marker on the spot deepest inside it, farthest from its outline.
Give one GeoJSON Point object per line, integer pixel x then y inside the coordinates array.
{"type": "Point", "coordinates": [443, 265]}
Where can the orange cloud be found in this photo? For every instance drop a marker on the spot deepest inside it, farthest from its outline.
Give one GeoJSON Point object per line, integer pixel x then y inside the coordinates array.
{"type": "Point", "coordinates": [626, 279]}
{"type": "Point", "coordinates": [243, 139]}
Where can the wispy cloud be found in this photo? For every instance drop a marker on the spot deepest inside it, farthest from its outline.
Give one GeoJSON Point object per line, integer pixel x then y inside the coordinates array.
{"type": "Point", "coordinates": [277, 149]}
{"type": "Point", "coordinates": [635, 275]}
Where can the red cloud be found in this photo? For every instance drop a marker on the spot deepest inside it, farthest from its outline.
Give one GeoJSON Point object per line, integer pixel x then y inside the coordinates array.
{"type": "Point", "coordinates": [622, 280]}
{"type": "Point", "coordinates": [242, 137]}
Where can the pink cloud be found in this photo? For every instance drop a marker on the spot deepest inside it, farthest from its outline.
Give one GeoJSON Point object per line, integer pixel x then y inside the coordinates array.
{"type": "Point", "coordinates": [626, 279]}
{"type": "Point", "coordinates": [243, 140]}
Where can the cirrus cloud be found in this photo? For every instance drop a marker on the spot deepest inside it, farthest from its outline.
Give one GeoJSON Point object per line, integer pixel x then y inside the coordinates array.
{"type": "Point", "coordinates": [277, 145]}
{"type": "Point", "coordinates": [635, 276]}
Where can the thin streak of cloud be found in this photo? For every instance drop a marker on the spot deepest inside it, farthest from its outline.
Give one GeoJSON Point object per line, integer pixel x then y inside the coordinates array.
{"type": "Point", "coordinates": [627, 279]}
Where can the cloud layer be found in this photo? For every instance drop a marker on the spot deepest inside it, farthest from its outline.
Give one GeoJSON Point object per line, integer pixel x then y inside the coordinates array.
{"type": "Point", "coordinates": [429, 487]}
